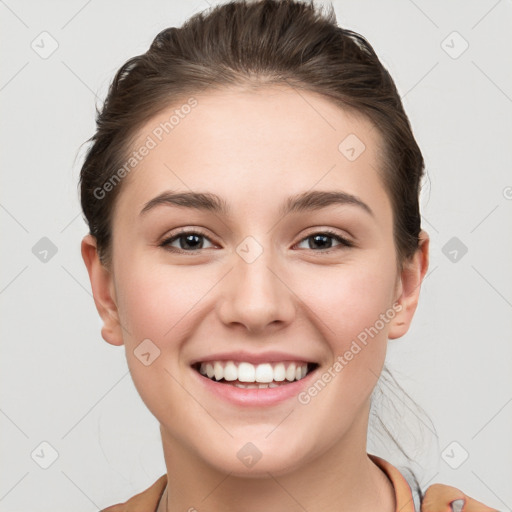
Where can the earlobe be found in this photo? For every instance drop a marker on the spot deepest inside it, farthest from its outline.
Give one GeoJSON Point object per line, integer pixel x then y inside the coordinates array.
{"type": "Point", "coordinates": [409, 286]}
{"type": "Point", "coordinates": [103, 292]}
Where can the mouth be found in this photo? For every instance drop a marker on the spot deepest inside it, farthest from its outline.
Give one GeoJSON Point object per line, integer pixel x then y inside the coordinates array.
{"type": "Point", "coordinates": [242, 374]}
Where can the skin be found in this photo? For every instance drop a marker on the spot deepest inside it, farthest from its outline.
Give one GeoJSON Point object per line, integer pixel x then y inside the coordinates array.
{"type": "Point", "coordinates": [254, 149]}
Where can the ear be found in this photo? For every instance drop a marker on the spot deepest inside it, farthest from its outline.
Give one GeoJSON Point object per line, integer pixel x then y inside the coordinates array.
{"type": "Point", "coordinates": [408, 287]}
{"type": "Point", "coordinates": [103, 291]}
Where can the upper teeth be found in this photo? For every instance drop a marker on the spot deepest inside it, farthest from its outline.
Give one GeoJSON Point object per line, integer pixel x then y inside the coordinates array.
{"type": "Point", "coordinates": [247, 372]}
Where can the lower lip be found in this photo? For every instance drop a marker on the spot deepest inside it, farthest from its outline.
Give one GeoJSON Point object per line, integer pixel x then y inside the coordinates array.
{"type": "Point", "coordinates": [255, 397]}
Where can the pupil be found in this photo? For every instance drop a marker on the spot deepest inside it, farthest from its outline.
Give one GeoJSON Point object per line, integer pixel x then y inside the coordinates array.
{"type": "Point", "coordinates": [188, 238]}
{"type": "Point", "coordinates": [322, 238]}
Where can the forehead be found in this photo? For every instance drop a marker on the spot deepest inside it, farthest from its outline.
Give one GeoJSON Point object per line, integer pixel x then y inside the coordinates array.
{"type": "Point", "coordinates": [243, 144]}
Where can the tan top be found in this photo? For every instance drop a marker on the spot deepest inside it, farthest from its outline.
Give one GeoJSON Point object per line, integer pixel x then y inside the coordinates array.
{"type": "Point", "coordinates": [438, 497]}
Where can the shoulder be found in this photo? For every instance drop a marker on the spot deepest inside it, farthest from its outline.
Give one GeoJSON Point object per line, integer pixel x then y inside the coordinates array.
{"type": "Point", "coordinates": [437, 498]}
{"type": "Point", "coordinates": [146, 501]}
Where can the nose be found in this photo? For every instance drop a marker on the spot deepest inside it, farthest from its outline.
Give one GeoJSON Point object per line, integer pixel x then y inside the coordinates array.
{"type": "Point", "coordinates": [256, 295]}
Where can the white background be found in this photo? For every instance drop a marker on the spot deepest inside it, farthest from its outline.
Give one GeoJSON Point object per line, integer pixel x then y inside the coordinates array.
{"type": "Point", "coordinates": [62, 384]}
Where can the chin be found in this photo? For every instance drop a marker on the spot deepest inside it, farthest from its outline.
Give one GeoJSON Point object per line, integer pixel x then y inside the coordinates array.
{"type": "Point", "coordinates": [248, 459]}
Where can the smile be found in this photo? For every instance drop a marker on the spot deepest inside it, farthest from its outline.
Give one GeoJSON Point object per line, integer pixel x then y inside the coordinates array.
{"type": "Point", "coordinates": [243, 374]}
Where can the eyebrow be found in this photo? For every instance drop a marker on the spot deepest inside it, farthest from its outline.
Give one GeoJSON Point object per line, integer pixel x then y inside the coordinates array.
{"type": "Point", "coordinates": [206, 201]}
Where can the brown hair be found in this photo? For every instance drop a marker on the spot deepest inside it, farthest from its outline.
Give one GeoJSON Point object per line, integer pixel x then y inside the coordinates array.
{"type": "Point", "coordinates": [254, 43]}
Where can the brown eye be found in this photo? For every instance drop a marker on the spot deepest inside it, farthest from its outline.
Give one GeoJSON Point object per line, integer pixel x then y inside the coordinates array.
{"type": "Point", "coordinates": [187, 241]}
{"type": "Point", "coordinates": [323, 241]}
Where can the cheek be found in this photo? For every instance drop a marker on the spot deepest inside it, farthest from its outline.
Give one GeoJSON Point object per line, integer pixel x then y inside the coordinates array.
{"type": "Point", "coordinates": [156, 302]}
{"type": "Point", "coordinates": [348, 300]}
{"type": "Point", "coordinates": [352, 306]}
{"type": "Point", "coordinates": [159, 304]}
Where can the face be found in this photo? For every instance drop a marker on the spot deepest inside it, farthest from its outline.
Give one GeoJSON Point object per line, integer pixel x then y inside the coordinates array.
{"type": "Point", "coordinates": [299, 266]}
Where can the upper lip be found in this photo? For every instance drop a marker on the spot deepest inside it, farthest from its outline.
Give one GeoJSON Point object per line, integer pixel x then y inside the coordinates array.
{"type": "Point", "coordinates": [254, 358]}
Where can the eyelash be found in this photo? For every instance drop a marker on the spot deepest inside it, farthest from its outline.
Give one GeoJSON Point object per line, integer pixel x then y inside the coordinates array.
{"type": "Point", "coordinates": [344, 243]}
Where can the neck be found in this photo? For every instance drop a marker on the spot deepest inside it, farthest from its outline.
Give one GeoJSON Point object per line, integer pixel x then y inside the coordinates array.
{"type": "Point", "coordinates": [342, 479]}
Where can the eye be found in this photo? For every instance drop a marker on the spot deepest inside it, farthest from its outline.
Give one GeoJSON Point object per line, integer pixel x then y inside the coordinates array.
{"type": "Point", "coordinates": [193, 241]}
{"type": "Point", "coordinates": [188, 241]}
{"type": "Point", "coordinates": [323, 239]}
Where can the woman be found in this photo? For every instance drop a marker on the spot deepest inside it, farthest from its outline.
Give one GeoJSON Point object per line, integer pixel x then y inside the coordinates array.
{"type": "Point", "coordinates": [255, 240]}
